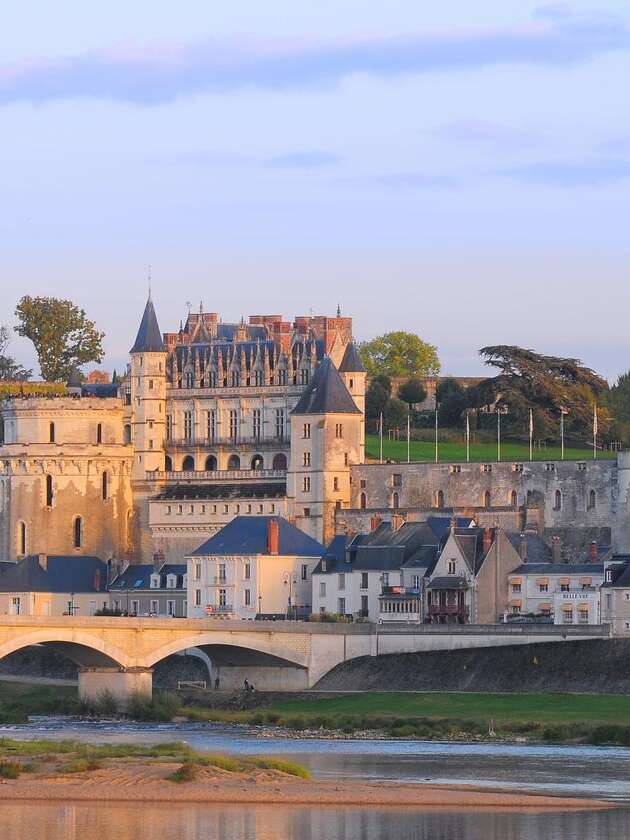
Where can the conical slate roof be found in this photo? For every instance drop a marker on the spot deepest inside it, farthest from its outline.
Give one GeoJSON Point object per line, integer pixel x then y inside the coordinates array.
{"type": "Point", "coordinates": [326, 393]}
{"type": "Point", "coordinates": [149, 338]}
{"type": "Point", "coordinates": [351, 362]}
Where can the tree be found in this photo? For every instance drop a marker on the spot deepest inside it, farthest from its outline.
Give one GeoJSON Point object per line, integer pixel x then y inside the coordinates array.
{"type": "Point", "coordinates": [9, 368]}
{"type": "Point", "coordinates": [619, 398]}
{"type": "Point", "coordinates": [546, 384]}
{"type": "Point", "coordinates": [377, 397]}
{"type": "Point", "coordinates": [396, 413]}
{"type": "Point", "coordinates": [63, 336]}
{"type": "Point", "coordinates": [400, 354]}
{"type": "Point", "coordinates": [412, 392]}
{"type": "Point", "coordinates": [452, 402]}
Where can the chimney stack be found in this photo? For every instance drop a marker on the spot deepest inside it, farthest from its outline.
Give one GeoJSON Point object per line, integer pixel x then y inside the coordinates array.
{"type": "Point", "coordinates": [397, 521]}
{"type": "Point", "coordinates": [522, 548]}
{"type": "Point", "coordinates": [375, 521]}
{"type": "Point", "coordinates": [273, 537]}
{"type": "Point", "coordinates": [594, 552]}
{"type": "Point", "coordinates": [158, 561]}
{"type": "Point", "coordinates": [487, 540]}
{"type": "Point", "coordinates": [556, 550]}
{"type": "Point", "coordinates": [42, 559]}
{"type": "Point", "coordinates": [97, 580]}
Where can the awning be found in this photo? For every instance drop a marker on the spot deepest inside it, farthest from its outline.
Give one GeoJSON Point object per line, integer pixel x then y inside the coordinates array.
{"type": "Point", "coordinates": [583, 607]}
{"type": "Point", "coordinates": [542, 581]}
{"type": "Point", "coordinates": [568, 608]}
{"type": "Point", "coordinates": [516, 580]}
{"type": "Point", "coordinates": [585, 581]}
{"type": "Point", "coordinates": [545, 606]}
{"type": "Point", "coordinates": [564, 581]}
{"type": "Point", "coordinates": [515, 603]}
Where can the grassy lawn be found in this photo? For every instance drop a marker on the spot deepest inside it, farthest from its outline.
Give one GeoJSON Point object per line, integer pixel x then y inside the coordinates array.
{"type": "Point", "coordinates": [18, 700]}
{"type": "Point", "coordinates": [456, 452]}
{"type": "Point", "coordinates": [525, 708]}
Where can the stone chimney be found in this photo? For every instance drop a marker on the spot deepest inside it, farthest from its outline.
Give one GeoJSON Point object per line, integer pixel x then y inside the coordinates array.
{"type": "Point", "coordinates": [522, 548]}
{"type": "Point", "coordinates": [42, 559]}
{"type": "Point", "coordinates": [273, 536]}
{"type": "Point", "coordinates": [488, 539]}
{"type": "Point", "coordinates": [97, 580]}
{"type": "Point", "coordinates": [397, 521]}
{"type": "Point", "coordinates": [375, 521]}
{"type": "Point", "coordinates": [556, 550]}
{"type": "Point", "coordinates": [594, 552]}
{"type": "Point", "coordinates": [158, 561]}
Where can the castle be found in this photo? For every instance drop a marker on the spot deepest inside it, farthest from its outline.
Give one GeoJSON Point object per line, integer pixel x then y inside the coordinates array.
{"type": "Point", "coordinates": [266, 418]}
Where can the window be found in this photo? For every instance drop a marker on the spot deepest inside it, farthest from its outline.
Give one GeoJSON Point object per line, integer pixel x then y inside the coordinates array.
{"type": "Point", "coordinates": [211, 424]}
{"type": "Point", "coordinates": [233, 419]}
{"type": "Point", "coordinates": [364, 580]}
{"type": "Point", "coordinates": [591, 500]}
{"type": "Point", "coordinates": [135, 607]}
{"type": "Point", "coordinates": [154, 607]}
{"type": "Point", "coordinates": [259, 378]}
{"type": "Point", "coordinates": [543, 587]}
{"type": "Point", "coordinates": [303, 377]}
{"type": "Point", "coordinates": [155, 582]}
{"type": "Point", "coordinates": [234, 463]}
{"type": "Point", "coordinates": [487, 499]}
{"type": "Point", "coordinates": [557, 505]}
{"type": "Point", "coordinates": [150, 384]}
{"type": "Point", "coordinates": [188, 425]}
{"type": "Point", "coordinates": [415, 581]}
{"type": "Point", "coordinates": [306, 484]}
{"type": "Point", "coordinates": [304, 575]}
{"type": "Point", "coordinates": [564, 587]}
{"type": "Point", "coordinates": [197, 597]}
{"type": "Point", "coordinates": [396, 480]}
{"type": "Point", "coordinates": [365, 608]}
{"type": "Point", "coordinates": [336, 484]}
{"type": "Point", "coordinates": [550, 467]}
{"type": "Point", "coordinates": [279, 461]}
{"type": "Point", "coordinates": [395, 501]}
{"type": "Point", "coordinates": [306, 459]}
{"type": "Point", "coordinates": [282, 377]}
{"type": "Point", "coordinates": [486, 468]}
{"type": "Point", "coordinates": [248, 571]}
{"type": "Point", "coordinates": [322, 589]}
{"type": "Point", "coordinates": [339, 430]}
{"type": "Point", "coordinates": [516, 587]}
{"type": "Point", "coordinates": [247, 597]}
{"type": "Point", "coordinates": [49, 490]}
{"type": "Point", "coordinates": [127, 433]}
{"type": "Point", "coordinates": [105, 486]}
{"type": "Point", "coordinates": [222, 577]}
{"type": "Point", "coordinates": [341, 606]}
{"type": "Point", "coordinates": [455, 469]}
{"type": "Point", "coordinates": [341, 581]}
{"type": "Point", "coordinates": [518, 468]}
{"type": "Point", "coordinates": [21, 538]}
{"type": "Point", "coordinates": [306, 431]}
{"type": "Point", "coordinates": [197, 571]}
{"type": "Point", "coordinates": [211, 463]}
{"type": "Point", "coordinates": [439, 500]}
{"type": "Point", "coordinates": [257, 423]}
{"type": "Point", "coordinates": [513, 500]}
{"type": "Point", "coordinates": [188, 464]}
{"type": "Point", "coordinates": [51, 433]}
{"type": "Point", "coordinates": [99, 433]}
{"type": "Point", "coordinates": [280, 423]}
{"type": "Point", "coordinates": [307, 512]}
{"type": "Point", "coordinates": [452, 567]}
{"type": "Point", "coordinates": [385, 578]}
{"type": "Point", "coordinates": [609, 601]}
{"type": "Point", "coordinates": [363, 501]}
{"type": "Point", "coordinates": [78, 532]}
{"type": "Point", "coordinates": [170, 608]}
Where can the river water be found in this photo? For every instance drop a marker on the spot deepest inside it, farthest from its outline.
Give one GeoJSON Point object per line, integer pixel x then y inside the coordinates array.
{"type": "Point", "coordinates": [578, 771]}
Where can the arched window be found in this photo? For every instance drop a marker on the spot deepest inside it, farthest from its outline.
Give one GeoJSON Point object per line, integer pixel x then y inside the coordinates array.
{"type": "Point", "coordinates": [188, 464]}
{"type": "Point", "coordinates": [395, 501]}
{"type": "Point", "coordinates": [105, 485]}
{"type": "Point", "coordinates": [77, 532]}
{"type": "Point", "coordinates": [363, 501]}
{"type": "Point", "coordinates": [49, 490]}
{"type": "Point", "coordinates": [168, 463]}
{"type": "Point", "coordinates": [557, 504]}
{"type": "Point", "coordinates": [513, 500]}
{"type": "Point", "coordinates": [234, 462]}
{"type": "Point", "coordinates": [487, 499]}
{"type": "Point", "coordinates": [591, 500]}
{"type": "Point", "coordinates": [439, 500]}
{"type": "Point", "coordinates": [51, 433]}
{"type": "Point", "coordinates": [99, 433]}
{"type": "Point", "coordinates": [21, 538]}
{"type": "Point", "coordinates": [211, 463]}
{"type": "Point", "coordinates": [127, 433]}
{"type": "Point", "coordinates": [257, 462]}
{"type": "Point", "coordinates": [280, 461]}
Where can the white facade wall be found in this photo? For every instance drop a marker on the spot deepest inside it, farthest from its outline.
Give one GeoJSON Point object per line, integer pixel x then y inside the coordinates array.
{"type": "Point", "coordinates": [349, 587]}
{"type": "Point", "coordinates": [536, 592]}
{"type": "Point", "coordinates": [52, 603]}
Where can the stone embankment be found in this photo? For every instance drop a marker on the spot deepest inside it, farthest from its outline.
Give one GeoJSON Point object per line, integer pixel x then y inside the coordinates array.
{"type": "Point", "coordinates": [594, 666]}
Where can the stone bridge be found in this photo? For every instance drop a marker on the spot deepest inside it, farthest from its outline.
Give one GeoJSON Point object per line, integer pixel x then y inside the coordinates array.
{"type": "Point", "coordinates": [118, 654]}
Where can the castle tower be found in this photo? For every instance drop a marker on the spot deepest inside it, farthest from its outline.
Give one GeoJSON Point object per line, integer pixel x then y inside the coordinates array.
{"type": "Point", "coordinates": [326, 436]}
{"type": "Point", "coordinates": [354, 378]}
{"type": "Point", "coordinates": [148, 395]}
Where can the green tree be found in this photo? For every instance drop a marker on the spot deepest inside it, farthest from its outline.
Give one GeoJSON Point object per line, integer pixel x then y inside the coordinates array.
{"type": "Point", "coordinates": [412, 392]}
{"type": "Point", "coordinates": [10, 370]}
{"type": "Point", "coordinates": [452, 402]}
{"type": "Point", "coordinates": [396, 413]}
{"type": "Point", "coordinates": [63, 336]}
{"type": "Point", "coordinates": [619, 398]}
{"type": "Point", "coordinates": [400, 354]}
{"type": "Point", "coordinates": [377, 396]}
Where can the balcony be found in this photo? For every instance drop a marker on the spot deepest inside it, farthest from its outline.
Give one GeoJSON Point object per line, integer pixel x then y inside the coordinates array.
{"type": "Point", "coordinates": [448, 610]}
{"type": "Point", "coordinates": [228, 441]}
{"type": "Point", "coordinates": [401, 590]}
{"type": "Point", "coordinates": [219, 609]}
{"type": "Point", "coordinates": [221, 581]}
{"type": "Point", "coordinates": [217, 475]}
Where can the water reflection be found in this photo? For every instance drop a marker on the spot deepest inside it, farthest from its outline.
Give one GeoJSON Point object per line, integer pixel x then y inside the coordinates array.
{"type": "Point", "coordinates": [23, 821]}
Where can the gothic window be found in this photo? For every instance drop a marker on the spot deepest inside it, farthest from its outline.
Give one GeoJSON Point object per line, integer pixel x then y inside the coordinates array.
{"type": "Point", "coordinates": [487, 499]}
{"type": "Point", "coordinates": [234, 463]}
{"type": "Point", "coordinates": [280, 461]}
{"type": "Point", "coordinates": [257, 423]}
{"type": "Point", "coordinates": [212, 379]}
{"type": "Point", "coordinates": [591, 500]}
{"type": "Point", "coordinates": [280, 423]}
{"type": "Point", "coordinates": [211, 463]}
{"type": "Point", "coordinates": [338, 430]}
{"type": "Point", "coordinates": [99, 433]}
{"type": "Point", "coordinates": [51, 433]}
{"type": "Point", "coordinates": [127, 431]}
{"type": "Point", "coordinates": [188, 464]}
{"type": "Point", "coordinates": [306, 459]}
{"type": "Point", "coordinates": [105, 485]}
{"type": "Point", "coordinates": [257, 462]}
{"type": "Point", "coordinates": [557, 500]}
{"type": "Point", "coordinates": [363, 501]}
{"type": "Point", "coordinates": [49, 490]}
{"type": "Point", "coordinates": [306, 484]}
{"type": "Point", "coordinates": [77, 532]}
{"type": "Point", "coordinates": [395, 501]}
{"type": "Point", "coordinates": [306, 431]}
{"type": "Point", "coordinates": [168, 464]}
{"type": "Point", "coordinates": [233, 424]}
{"type": "Point", "coordinates": [258, 378]}
{"type": "Point", "coordinates": [21, 538]}
{"type": "Point", "coordinates": [439, 500]}
{"type": "Point", "coordinates": [188, 425]}
{"type": "Point", "coordinates": [513, 500]}
{"type": "Point", "coordinates": [211, 424]}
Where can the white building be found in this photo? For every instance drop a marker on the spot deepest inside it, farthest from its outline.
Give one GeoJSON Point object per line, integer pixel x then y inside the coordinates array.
{"type": "Point", "coordinates": [255, 566]}
{"type": "Point", "coordinates": [569, 593]}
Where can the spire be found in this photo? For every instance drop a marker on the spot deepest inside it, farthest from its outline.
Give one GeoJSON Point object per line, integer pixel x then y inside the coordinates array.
{"type": "Point", "coordinates": [327, 393]}
{"type": "Point", "coordinates": [149, 338]}
{"type": "Point", "coordinates": [338, 310]}
{"type": "Point", "coordinates": [351, 362]}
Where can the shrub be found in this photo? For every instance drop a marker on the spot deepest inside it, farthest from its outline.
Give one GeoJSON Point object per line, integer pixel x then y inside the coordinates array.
{"type": "Point", "coordinates": [9, 770]}
{"type": "Point", "coordinates": [610, 734]}
{"type": "Point", "coordinates": [81, 765]}
{"type": "Point", "coordinates": [186, 773]}
{"type": "Point", "coordinates": [105, 704]}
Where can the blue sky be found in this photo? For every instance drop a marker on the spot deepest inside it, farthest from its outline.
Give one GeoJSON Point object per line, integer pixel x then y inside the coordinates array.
{"type": "Point", "coordinates": [456, 169]}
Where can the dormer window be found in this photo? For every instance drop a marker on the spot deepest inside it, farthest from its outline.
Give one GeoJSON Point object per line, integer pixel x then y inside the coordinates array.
{"type": "Point", "coordinates": [155, 581]}
{"type": "Point", "coordinates": [608, 576]}
{"type": "Point", "coordinates": [452, 567]}
{"type": "Point", "coordinates": [324, 566]}
{"type": "Point", "coordinates": [171, 581]}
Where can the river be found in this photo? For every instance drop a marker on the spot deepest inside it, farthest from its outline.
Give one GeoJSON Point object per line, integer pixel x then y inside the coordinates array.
{"type": "Point", "coordinates": [578, 771]}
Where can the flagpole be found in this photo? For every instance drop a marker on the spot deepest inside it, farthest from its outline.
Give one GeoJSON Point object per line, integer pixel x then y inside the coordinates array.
{"type": "Point", "coordinates": [436, 432]}
{"type": "Point", "coordinates": [595, 429]}
{"type": "Point", "coordinates": [408, 438]}
{"type": "Point", "coordinates": [562, 434]}
{"type": "Point", "coordinates": [381, 435]}
{"type": "Point", "coordinates": [498, 435]}
{"type": "Point", "coordinates": [467, 437]}
{"type": "Point", "coordinates": [531, 434]}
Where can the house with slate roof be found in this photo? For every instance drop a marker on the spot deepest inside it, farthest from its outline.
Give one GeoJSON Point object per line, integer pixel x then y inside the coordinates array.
{"type": "Point", "coordinates": [615, 595]}
{"type": "Point", "coordinates": [255, 567]}
{"type": "Point", "coordinates": [41, 585]}
{"type": "Point", "coordinates": [155, 589]}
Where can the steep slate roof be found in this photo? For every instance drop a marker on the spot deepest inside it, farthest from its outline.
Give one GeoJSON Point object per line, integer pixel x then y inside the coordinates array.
{"type": "Point", "coordinates": [139, 576]}
{"type": "Point", "coordinates": [537, 549]}
{"type": "Point", "coordinates": [351, 362]}
{"type": "Point", "coordinates": [247, 535]}
{"type": "Point", "coordinates": [149, 338]}
{"type": "Point", "coordinates": [441, 525]}
{"type": "Point", "coordinates": [63, 574]}
{"type": "Point", "coordinates": [326, 393]}
{"type": "Point", "coordinates": [620, 571]}
{"type": "Point", "coordinates": [566, 569]}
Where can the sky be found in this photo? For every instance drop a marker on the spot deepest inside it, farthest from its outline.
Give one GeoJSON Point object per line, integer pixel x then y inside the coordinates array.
{"type": "Point", "coordinates": [460, 170]}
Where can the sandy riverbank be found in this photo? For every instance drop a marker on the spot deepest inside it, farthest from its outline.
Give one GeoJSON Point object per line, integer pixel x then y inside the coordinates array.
{"type": "Point", "coordinates": [148, 782]}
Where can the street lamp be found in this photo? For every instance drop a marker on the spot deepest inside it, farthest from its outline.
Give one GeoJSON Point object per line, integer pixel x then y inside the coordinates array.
{"type": "Point", "coordinates": [289, 579]}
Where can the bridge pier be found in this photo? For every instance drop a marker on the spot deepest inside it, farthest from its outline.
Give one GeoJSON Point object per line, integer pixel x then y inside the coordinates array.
{"type": "Point", "coordinates": [120, 683]}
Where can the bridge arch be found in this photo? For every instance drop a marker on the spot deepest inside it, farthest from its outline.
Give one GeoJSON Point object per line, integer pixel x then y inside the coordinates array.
{"type": "Point", "coordinates": [82, 648]}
